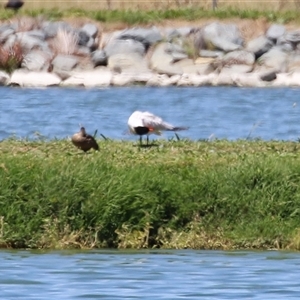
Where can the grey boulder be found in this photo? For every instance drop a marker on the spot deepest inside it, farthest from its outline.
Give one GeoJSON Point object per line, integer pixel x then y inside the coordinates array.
{"type": "Point", "coordinates": [146, 36]}
{"type": "Point", "coordinates": [217, 36]}
{"type": "Point", "coordinates": [259, 46]}
{"type": "Point", "coordinates": [99, 58]}
{"type": "Point", "coordinates": [36, 60]}
{"type": "Point", "coordinates": [117, 46]}
{"type": "Point", "coordinates": [63, 65]}
{"type": "Point", "coordinates": [274, 32]}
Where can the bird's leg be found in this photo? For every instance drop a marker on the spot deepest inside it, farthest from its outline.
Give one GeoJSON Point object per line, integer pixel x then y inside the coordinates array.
{"type": "Point", "coordinates": [147, 139]}
{"type": "Point", "coordinates": [140, 140]}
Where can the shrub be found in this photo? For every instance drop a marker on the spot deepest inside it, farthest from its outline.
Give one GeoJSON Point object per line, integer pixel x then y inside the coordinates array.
{"type": "Point", "coordinates": [11, 58]}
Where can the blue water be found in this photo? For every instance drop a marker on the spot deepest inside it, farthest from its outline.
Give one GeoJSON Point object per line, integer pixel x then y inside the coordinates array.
{"type": "Point", "coordinates": [210, 112]}
{"type": "Point", "coordinates": [149, 275]}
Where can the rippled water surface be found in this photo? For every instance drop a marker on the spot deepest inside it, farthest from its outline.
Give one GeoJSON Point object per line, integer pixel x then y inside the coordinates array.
{"type": "Point", "coordinates": [221, 112]}
{"type": "Point", "coordinates": [149, 275]}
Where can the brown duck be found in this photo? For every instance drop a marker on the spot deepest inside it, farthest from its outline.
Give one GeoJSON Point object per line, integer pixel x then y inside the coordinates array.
{"type": "Point", "coordinates": [84, 141]}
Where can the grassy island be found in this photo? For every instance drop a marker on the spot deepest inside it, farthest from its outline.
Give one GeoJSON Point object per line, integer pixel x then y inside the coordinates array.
{"type": "Point", "coordinates": [176, 194]}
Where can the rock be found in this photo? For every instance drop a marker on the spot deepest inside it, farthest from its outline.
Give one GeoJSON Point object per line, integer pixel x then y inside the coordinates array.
{"type": "Point", "coordinates": [129, 78]}
{"type": "Point", "coordinates": [172, 33]}
{"type": "Point", "coordinates": [294, 62]}
{"type": "Point", "coordinates": [142, 78]}
{"type": "Point", "coordinates": [204, 60]}
{"type": "Point", "coordinates": [236, 69]}
{"type": "Point", "coordinates": [274, 32]}
{"type": "Point", "coordinates": [84, 64]}
{"type": "Point", "coordinates": [217, 36]}
{"type": "Point", "coordinates": [12, 39]}
{"type": "Point", "coordinates": [92, 45]}
{"type": "Point", "coordinates": [128, 58]}
{"type": "Point", "coordinates": [239, 57]}
{"type": "Point", "coordinates": [293, 36]}
{"type": "Point", "coordinates": [100, 77]}
{"type": "Point", "coordinates": [90, 29]}
{"type": "Point", "coordinates": [247, 80]}
{"type": "Point", "coordinates": [63, 65]}
{"type": "Point", "coordinates": [287, 79]}
{"type": "Point", "coordinates": [188, 66]}
{"type": "Point", "coordinates": [36, 60]}
{"type": "Point", "coordinates": [222, 80]}
{"type": "Point", "coordinates": [51, 28]}
{"type": "Point", "coordinates": [196, 80]}
{"type": "Point", "coordinates": [162, 80]}
{"type": "Point", "coordinates": [29, 42]}
{"type": "Point", "coordinates": [108, 37]}
{"type": "Point", "coordinates": [5, 32]}
{"type": "Point", "coordinates": [289, 40]}
{"type": "Point", "coordinates": [169, 70]}
{"type": "Point", "coordinates": [82, 51]}
{"type": "Point", "coordinates": [39, 34]}
{"type": "Point", "coordinates": [259, 46]}
{"type": "Point", "coordinates": [284, 45]}
{"type": "Point", "coordinates": [146, 36]}
{"type": "Point", "coordinates": [177, 52]}
{"type": "Point", "coordinates": [4, 78]}
{"type": "Point", "coordinates": [99, 58]}
{"type": "Point", "coordinates": [86, 41]}
{"type": "Point", "coordinates": [274, 59]}
{"type": "Point", "coordinates": [83, 38]}
{"type": "Point", "coordinates": [294, 79]}
{"type": "Point", "coordinates": [76, 79]}
{"type": "Point", "coordinates": [124, 46]}
{"type": "Point", "coordinates": [268, 76]}
{"type": "Point", "coordinates": [161, 61]}
{"type": "Point", "coordinates": [122, 79]}
{"type": "Point", "coordinates": [33, 79]}
{"type": "Point", "coordinates": [160, 56]}
{"type": "Point", "coordinates": [128, 62]}
{"type": "Point", "coordinates": [239, 61]}
{"type": "Point", "coordinates": [211, 53]}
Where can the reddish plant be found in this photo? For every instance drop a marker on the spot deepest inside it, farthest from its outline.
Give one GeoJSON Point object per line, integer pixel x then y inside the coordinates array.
{"type": "Point", "coordinates": [11, 58]}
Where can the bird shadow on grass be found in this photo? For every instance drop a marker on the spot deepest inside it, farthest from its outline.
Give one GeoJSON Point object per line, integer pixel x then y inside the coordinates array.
{"type": "Point", "coordinates": [147, 145]}
{"type": "Point", "coordinates": [82, 153]}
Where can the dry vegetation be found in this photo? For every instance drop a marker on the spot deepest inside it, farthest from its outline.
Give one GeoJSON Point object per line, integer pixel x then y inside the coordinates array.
{"type": "Point", "coordinates": [164, 4]}
{"type": "Point", "coordinates": [64, 43]}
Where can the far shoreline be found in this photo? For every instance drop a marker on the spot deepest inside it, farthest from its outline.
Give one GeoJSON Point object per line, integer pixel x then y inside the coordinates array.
{"type": "Point", "coordinates": [209, 51]}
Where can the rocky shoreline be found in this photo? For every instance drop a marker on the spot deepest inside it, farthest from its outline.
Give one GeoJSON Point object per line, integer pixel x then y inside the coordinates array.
{"type": "Point", "coordinates": [41, 53]}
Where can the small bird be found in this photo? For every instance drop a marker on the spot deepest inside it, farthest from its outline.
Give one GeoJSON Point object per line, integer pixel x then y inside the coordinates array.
{"type": "Point", "coordinates": [141, 123]}
{"type": "Point", "coordinates": [84, 141]}
{"type": "Point", "coordinates": [14, 4]}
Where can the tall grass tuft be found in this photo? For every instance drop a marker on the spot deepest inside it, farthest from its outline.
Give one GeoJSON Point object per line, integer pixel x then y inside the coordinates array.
{"type": "Point", "coordinates": [64, 42]}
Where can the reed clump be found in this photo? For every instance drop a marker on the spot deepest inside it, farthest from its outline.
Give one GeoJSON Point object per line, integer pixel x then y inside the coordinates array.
{"type": "Point", "coordinates": [177, 194]}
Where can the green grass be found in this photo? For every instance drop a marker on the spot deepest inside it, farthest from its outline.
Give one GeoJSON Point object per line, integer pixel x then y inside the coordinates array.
{"type": "Point", "coordinates": [178, 194]}
{"type": "Point", "coordinates": [133, 17]}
